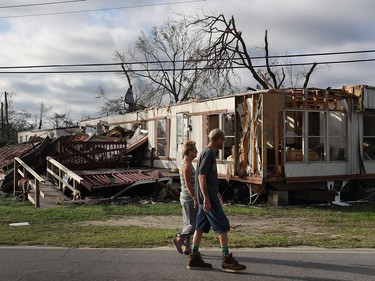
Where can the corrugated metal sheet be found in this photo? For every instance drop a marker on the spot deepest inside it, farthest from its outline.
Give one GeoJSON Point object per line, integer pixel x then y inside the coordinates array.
{"type": "Point", "coordinates": [105, 179]}
{"type": "Point", "coordinates": [7, 153]}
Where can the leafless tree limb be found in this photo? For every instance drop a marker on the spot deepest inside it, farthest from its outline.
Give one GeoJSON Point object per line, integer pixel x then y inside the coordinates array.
{"type": "Point", "coordinates": [226, 48]}
{"type": "Point", "coordinates": [309, 74]}
{"type": "Point", "coordinates": [170, 58]}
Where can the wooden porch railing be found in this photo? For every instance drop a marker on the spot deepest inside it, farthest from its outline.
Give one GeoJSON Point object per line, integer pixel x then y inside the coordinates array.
{"type": "Point", "coordinates": [28, 179]}
{"type": "Point", "coordinates": [63, 175]}
{"type": "Point", "coordinates": [80, 155]}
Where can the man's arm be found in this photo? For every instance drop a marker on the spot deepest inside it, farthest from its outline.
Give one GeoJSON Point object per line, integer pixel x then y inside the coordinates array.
{"type": "Point", "coordinates": [204, 191]}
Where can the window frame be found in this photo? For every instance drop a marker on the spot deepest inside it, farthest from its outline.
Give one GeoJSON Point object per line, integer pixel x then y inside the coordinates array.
{"type": "Point", "coordinates": [365, 144]}
{"type": "Point", "coordinates": [219, 123]}
{"type": "Point", "coordinates": [303, 152]}
{"type": "Point", "coordinates": [165, 138]}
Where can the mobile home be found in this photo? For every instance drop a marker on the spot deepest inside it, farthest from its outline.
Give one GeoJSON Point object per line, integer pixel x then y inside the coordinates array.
{"type": "Point", "coordinates": [302, 141]}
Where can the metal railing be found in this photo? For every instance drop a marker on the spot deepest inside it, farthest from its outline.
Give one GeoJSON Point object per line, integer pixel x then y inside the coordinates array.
{"type": "Point", "coordinates": [27, 178]}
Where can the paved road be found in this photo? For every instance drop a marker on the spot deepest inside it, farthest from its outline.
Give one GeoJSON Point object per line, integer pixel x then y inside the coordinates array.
{"type": "Point", "coordinates": [55, 264]}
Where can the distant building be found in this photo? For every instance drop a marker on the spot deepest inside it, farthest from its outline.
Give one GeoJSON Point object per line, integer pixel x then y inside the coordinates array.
{"type": "Point", "coordinates": [26, 136]}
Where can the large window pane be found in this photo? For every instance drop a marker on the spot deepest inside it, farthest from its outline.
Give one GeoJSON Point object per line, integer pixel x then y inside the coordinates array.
{"type": "Point", "coordinates": [319, 144]}
{"type": "Point", "coordinates": [229, 130]}
{"type": "Point", "coordinates": [213, 123]}
{"type": "Point", "coordinates": [294, 135]}
{"type": "Point", "coordinates": [226, 122]}
{"type": "Point", "coordinates": [369, 136]}
{"type": "Point", "coordinates": [179, 129]}
{"type": "Point", "coordinates": [338, 136]}
{"type": "Point", "coordinates": [161, 137]}
{"type": "Point", "coordinates": [317, 136]}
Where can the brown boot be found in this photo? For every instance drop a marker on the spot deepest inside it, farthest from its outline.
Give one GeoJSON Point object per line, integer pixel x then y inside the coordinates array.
{"type": "Point", "coordinates": [229, 264]}
{"type": "Point", "coordinates": [196, 262]}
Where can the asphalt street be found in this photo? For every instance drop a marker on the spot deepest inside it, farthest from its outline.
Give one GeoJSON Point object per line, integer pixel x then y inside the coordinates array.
{"type": "Point", "coordinates": [46, 263]}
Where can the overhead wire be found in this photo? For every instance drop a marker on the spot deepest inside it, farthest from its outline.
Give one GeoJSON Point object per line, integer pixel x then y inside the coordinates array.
{"type": "Point", "coordinates": [102, 9]}
{"type": "Point", "coordinates": [185, 68]}
{"type": "Point", "coordinates": [183, 61]}
{"type": "Point", "coordinates": [178, 61]}
{"type": "Point", "coordinates": [40, 4]}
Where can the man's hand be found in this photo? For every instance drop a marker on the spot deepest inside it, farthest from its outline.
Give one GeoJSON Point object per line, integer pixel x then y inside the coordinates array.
{"type": "Point", "coordinates": [207, 205]}
{"type": "Point", "coordinates": [220, 198]}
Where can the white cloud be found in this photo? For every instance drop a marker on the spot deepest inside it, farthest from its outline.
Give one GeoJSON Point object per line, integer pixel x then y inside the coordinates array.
{"type": "Point", "coordinates": [294, 26]}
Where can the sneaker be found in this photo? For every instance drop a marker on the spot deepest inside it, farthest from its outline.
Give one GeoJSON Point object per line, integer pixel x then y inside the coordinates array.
{"type": "Point", "coordinates": [178, 242]}
{"type": "Point", "coordinates": [196, 262]}
{"type": "Point", "coordinates": [229, 264]}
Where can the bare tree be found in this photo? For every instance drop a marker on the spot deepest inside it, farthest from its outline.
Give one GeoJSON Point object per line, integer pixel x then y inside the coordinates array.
{"type": "Point", "coordinates": [61, 120]}
{"type": "Point", "coordinates": [170, 58]}
{"type": "Point", "coordinates": [110, 106]}
{"type": "Point", "coordinates": [228, 49]}
{"type": "Point", "coordinates": [12, 119]}
{"type": "Point", "coordinates": [43, 110]}
{"type": "Point", "coordinates": [144, 95]}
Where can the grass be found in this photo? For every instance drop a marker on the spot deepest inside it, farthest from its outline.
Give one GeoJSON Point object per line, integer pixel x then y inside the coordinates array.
{"type": "Point", "coordinates": [320, 226]}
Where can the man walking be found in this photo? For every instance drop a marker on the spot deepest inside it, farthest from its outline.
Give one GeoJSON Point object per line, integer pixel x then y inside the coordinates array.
{"type": "Point", "coordinates": [210, 212]}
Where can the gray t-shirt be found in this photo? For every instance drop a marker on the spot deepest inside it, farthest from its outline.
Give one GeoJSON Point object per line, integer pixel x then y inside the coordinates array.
{"type": "Point", "coordinates": [206, 165]}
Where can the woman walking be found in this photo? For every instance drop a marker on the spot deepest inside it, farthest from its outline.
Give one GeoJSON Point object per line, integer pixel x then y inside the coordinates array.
{"type": "Point", "coordinates": [187, 199]}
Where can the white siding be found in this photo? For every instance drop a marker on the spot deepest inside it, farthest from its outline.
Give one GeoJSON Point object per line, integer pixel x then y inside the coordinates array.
{"type": "Point", "coordinates": [369, 98]}
{"type": "Point", "coordinates": [312, 169]}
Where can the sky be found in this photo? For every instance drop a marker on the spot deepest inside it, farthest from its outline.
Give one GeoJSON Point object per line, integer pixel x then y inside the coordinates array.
{"type": "Point", "coordinates": [52, 32]}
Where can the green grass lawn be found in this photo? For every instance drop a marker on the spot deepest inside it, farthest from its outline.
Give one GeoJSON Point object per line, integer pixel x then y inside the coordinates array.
{"type": "Point", "coordinates": [320, 226]}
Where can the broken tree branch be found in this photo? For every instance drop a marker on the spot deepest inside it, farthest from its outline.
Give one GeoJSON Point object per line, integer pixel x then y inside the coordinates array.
{"type": "Point", "coordinates": [308, 75]}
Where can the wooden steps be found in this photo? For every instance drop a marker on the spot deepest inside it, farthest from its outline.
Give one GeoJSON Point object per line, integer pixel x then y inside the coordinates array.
{"type": "Point", "coordinates": [50, 195]}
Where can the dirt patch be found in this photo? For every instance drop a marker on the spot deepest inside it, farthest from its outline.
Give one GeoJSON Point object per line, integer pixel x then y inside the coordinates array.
{"type": "Point", "coordinates": [254, 224]}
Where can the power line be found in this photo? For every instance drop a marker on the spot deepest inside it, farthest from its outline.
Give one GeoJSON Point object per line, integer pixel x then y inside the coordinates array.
{"type": "Point", "coordinates": [321, 54]}
{"type": "Point", "coordinates": [103, 9]}
{"type": "Point", "coordinates": [61, 65]}
{"type": "Point", "coordinates": [182, 61]}
{"type": "Point", "coordinates": [39, 4]}
{"type": "Point", "coordinates": [185, 69]}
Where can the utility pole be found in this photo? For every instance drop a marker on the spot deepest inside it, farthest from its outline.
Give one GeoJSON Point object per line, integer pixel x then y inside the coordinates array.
{"type": "Point", "coordinates": [7, 115]}
{"type": "Point", "coordinates": [2, 120]}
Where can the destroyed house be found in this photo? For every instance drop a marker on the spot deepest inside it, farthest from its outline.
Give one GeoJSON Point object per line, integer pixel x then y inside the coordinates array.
{"type": "Point", "coordinates": [306, 142]}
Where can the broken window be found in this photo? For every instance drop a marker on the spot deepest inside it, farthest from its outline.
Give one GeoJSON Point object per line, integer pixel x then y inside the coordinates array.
{"type": "Point", "coordinates": [338, 136]}
{"type": "Point", "coordinates": [212, 123]}
{"type": "Point", "coordinates": [229, 130]}
{"type": "Point", "coordinates": [294, 135]}
{"type": "Point", "coordinates": [369, 136]}
{"type": "Point", "coordinates": [161, 138]}
{"type": "Point", "coordinates": [182, 128]}
{"type": "Point", "coordinates": [317, 136]}
{"type": "Point", "coordinates": [226, 122]}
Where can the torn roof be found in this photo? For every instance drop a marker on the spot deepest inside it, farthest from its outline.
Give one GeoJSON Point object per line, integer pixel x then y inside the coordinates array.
{"type": "Point", "coordinates": [7, 153]}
